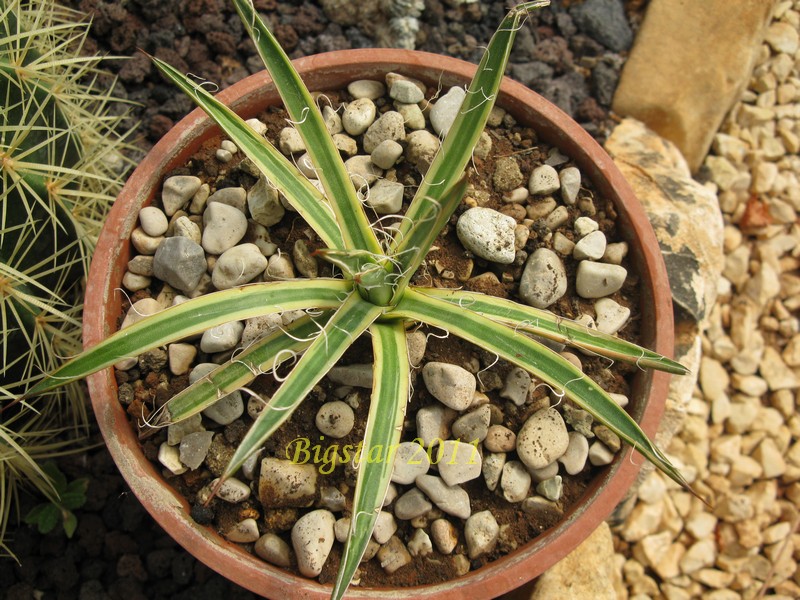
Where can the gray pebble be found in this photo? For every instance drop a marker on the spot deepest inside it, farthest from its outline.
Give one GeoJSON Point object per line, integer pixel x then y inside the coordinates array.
{"type": "Point", "coordinates": [362, 171]}
{"type": "Point", "coordinates": [332, 120]}
{"type": "Point", "coordinates": [421, 148]}
{"type": "Point", "coordinates": [232, 196]}
{"type": "Point", "coordinates": [181, 357]}
{"type": "Point", "coordinates": [177, 191]}
{"type": "Point", "coordinates": [488, 234]}
{"type": "Point", "coordinates": [393, 555]}
{"type": "Point", "coordinates": [610, 315]}
{"type": "Point", "coordinates": [493, 464]}
{"type": "Point", "coordinates": [222, 337]}
{"type": "Point", "coordinates": [177, 431]}
{"type": "Point", "coordinates": [352, 375]}
{"type": "Point", "coordinates": [134, 282]}
{"type": "Point", "coordinates": [385, 526]}
{"type": "Point", "coordinates": [433, 424]}
{"type": "Point", "coordinates": [180, 262]}
{"type": "Point", "coordinates": [279, 268]}
{"type": "Point", "coordinates": [420, 543]}
{"type": "Point", "coordinates": [517, 383]}
{"type": "Point", "coordinates": [551, 488]}
{"type": "Point", "coordinates": [264, 203]}
{"type": "Point", "coordinates": [600, 455]}
{"type": "Point", "coordinates": [141, 265]}
{"type": "Point", "coordinates": [386, 154]}
{"type": "Point", "coordinates": [413, 117]}
{"type": "Point", "coordinates": [386, 197]}
{"type": "Point", "coordinates": [223, 227]}
{"type": "Point", "coordinates": [185, 227]}
{"type": "Point", "coordinates": [574, 459]}
{"type": "Point", "coordinates": [473, 426]}
{"type": "Point", "coordinates": [290, 141]}
{"type": "Point", "coordinates": [458, 462]}
{"type": "Point", "coordinates": [244, 532]}
{"type": "Point", "coordinates": [544, 279]}
{"type": "Point", "coordinates": [411, 505]}
{"type": "Point", "coordinates": [227, 409]}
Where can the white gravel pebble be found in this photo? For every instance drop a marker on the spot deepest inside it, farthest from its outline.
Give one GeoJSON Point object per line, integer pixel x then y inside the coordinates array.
{"type": "Point", "coordinates": [454, 500]}
{"type": "Point", "coordinates": [444, 536]}
{"type": "Point", "coordinates": [493, 464]}
{"type": "Point", "coordinates": [595, 280]}
{"type": "Point", "coordinates": [386, 154]}
{"type": "Point", "coordinates": [170, 457]}
{"type": "Point", "coordinates": [177, 191]}
{"type": "Point", "coordinates": [335, 419]}
{"type": "Point", "coordinates": [473, 426]}
{"type": "Point", "coordinates": [312, 539]}
{"type": "Point", "coordinates": [232, 196]}
{"type": "Point", "coordinates": [488, 234]}
{"type": "Point", "coordinates": [517, 383]}
{"type": "Point", "coordinates": [574, 459]}
{"type": "Point", "coordinates": [264, 203]}
{"type": "Point", "coordinates": [515, 481]}
{"type": "Point", "coordinates": [481, 533]}
{"type": "Point", "coordinates": [153, 221]}
{"type": "Point", "coordinates": [451, 385]}
{"type": "Point", "coordinates": [237, 266]}
{"type": "Point", "coordinates": [410, 461]}
{"type": "Point", "coordinates": [274, 550]}
{"type": "Point", "coordinates": [231, 490]}
{"type": "Point", "coordinates": [570, 179]}
{"type": "Point", "coordinates": [244, 532]}
{"type": "Point", "coordinates": [544, 279]}
{"type": "Point", "coordinates": [366, 88]}
{"type": "Point", "coordinates": [284, 483]}
{"type": "Point", "coordinates": [592, 246]}
{"type": "Point", "coordinates": [389, 126]}
{"type": "Point", "coordinates": [445, 111]}
{"type": "Point", "coordinates": [543, 181]}
{"type": "Point", "coordinates": [433, 424]}
{"type": "Point", "coordinates": [386, 197]}
{"type": "Point", "coordinates": [411, 505]}
{"type": "Point", "coordinates": [542, 439]}
{"type": "Point", "coordinates": [406, 91]}
{"type": "Point", "coordinates": [583, 226]}
{"type": "Point", "coordinates": [358, 116]}
{"type": "Point", "coordinates": [458, 462]}
{"type": "Point", "coordinates": [610, 315]}
{"type": "Point", "coordinates": [223, 227]}
{"type": "Point", "coordinates": [222, 337]}
{"type": "Point", "coordinates": [600, 455]}
{"type": "Point", "coordinates": [420, 543]}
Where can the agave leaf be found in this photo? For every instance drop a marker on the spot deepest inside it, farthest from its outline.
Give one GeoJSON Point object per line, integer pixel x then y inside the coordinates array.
{"type": "Point", "coordinates": [547, 325]}
{"type": "Point", "coordinates": [542, 363]}
{"type": "Point", "coordinates": [299, 191]}
{"type": "Point", "coordinates": [306, 118]}
{"type": "Point", "coordinates": [195, 316]}
{"type": "Point", "coordinates": [384, 426]}
{"type": "Point", "coordinates": [456, 150]}
{"type": "Point", "coordinates": [262, 356]}
{"type": "Point", "coordinates": [352, 318]}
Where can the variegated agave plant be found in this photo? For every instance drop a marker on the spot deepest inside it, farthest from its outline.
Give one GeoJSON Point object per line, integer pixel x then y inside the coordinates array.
{"type": "Point", "coordinates": [374, 294]}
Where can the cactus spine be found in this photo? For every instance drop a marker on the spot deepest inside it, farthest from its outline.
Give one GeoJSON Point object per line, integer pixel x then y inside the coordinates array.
{"type": "Point", "coordinates": [61, 162]}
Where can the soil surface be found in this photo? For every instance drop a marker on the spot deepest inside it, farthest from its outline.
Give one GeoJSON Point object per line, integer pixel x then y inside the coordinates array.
{"type": "Point", "coordinates": [118, 551]}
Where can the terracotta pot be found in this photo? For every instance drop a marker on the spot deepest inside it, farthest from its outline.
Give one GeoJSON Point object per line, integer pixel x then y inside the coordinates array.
{"type": "Point", "coordinates": [332, 71]}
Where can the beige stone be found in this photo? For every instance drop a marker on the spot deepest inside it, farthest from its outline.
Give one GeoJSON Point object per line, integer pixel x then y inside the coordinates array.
{"type": "Point", "coordinates": [676, 93]}
{"type": "Point", "coordinates": [589, 571]}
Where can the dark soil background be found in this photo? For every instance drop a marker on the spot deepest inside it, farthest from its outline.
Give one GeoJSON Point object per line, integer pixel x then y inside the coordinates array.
{"type": "Point", "coordinates": [571, 53]}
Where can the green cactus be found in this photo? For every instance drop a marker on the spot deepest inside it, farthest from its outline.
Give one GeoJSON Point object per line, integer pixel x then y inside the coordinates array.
{"type": "Point", "coordinates": [62, 160]}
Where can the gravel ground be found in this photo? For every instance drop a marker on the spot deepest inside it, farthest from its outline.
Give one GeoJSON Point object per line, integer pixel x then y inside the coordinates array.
{"type": "Point", "coordinates": [739, 443]}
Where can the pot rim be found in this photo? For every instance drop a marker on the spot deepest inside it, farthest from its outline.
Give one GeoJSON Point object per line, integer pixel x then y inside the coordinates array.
{"type": "Point", "coordinates": [171, 511]}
